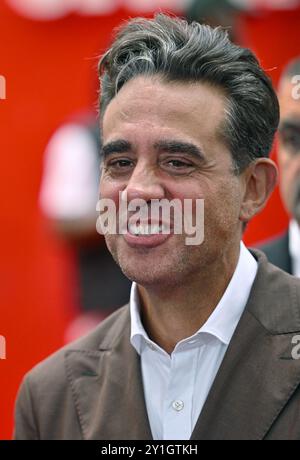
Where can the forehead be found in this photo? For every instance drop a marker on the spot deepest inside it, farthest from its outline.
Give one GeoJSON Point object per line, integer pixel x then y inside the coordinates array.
{"type": "Point", "coordinates": [289, 105]}
{"type": "Point", "coordinates": [194, 109]}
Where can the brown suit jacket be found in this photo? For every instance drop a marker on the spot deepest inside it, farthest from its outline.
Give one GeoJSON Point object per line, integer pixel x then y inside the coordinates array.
{"type": "Point", "coordinates": [92, 389]}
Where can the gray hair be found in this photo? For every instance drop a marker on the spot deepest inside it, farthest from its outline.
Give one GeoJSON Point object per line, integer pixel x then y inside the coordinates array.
{"type": "Point", "coordinates": [178, 51]}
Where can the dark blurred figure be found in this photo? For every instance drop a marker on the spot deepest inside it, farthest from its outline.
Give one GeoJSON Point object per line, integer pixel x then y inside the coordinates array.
{"type": "Point", "coordinates": [285, 250]}
{"type": "Point", "coordinates": [215, 13]}
{"type": "Point", "coordinates": [68, 198]}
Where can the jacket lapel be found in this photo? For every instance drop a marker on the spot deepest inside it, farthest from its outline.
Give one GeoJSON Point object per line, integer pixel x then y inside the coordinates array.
{"type": "Point", "coordinates": [107, 387]}
{"type": "Point", "coordinates": [258, 375]}
{"type": "Point", "coordinates": [253, 385]}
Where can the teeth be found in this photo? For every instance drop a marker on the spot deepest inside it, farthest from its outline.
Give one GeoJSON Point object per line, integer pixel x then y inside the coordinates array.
{"type": "Point", "coordinates": [145, 229]}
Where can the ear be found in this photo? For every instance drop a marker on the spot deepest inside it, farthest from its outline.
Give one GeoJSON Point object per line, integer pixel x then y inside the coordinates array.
{"type": "Point", "coordinates": [260, 179]}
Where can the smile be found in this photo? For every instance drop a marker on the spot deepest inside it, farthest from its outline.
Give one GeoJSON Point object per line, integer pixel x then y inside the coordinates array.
{"type": "Point", "coordinates": [148, 229]}
{"type": "Point", "coordinates": [147, 235]}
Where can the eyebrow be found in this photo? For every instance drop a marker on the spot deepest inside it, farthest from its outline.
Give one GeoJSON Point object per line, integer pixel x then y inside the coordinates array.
{"type": "Point", "coordinates": [118, 146]}
{"type": "Point", "coordinates": [170, 146]}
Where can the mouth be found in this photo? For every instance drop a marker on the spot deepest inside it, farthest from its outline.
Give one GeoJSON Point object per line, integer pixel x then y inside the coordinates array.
{"type": "Point", "coordinates": [148, 229]}
{"type": "Point", "coordinates": [147, 235]}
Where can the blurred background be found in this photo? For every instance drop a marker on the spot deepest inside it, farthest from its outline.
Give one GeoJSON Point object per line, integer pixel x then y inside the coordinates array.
{"type": "Point", "coordinates": [55, 273]}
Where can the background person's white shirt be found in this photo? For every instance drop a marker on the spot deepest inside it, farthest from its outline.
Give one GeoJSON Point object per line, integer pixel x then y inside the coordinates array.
{"type": "Point", "coordinates": [294, 247]}
{"type": "Point", "coordinates": [69, 188]}
{"type": "Point", "coordinates": [176, 386]}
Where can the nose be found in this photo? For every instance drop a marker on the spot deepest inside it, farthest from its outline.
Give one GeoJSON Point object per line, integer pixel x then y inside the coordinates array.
{"type": "Point", "coordinates": [144, 184]}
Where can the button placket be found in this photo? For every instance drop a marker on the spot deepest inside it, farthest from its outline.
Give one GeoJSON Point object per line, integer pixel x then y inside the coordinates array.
{"type": "Point", "coordinates": [177, 408]}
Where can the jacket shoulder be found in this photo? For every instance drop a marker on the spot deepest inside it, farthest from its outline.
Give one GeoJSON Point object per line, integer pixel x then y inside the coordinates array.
{"type": "Point", "coordinates": [44, 407]}
{"type": "Point", "coordinates": [277, 251]}
{"type": "Point", "coordinates": [275, 297]}
{"type": "Point", "coordinates": [52, 369]}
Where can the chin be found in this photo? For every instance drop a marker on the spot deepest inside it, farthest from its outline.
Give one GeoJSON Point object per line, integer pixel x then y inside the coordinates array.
{"type": "Point", "coordinates": [144, 274]}
{"type": "Point", "coordinates": [157, 267]}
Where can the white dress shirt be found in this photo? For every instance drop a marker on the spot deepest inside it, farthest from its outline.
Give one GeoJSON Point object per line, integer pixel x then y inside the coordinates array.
{"type": "Point", "coordinates": [294, 242]}
{"type": "Point", "coordinates": [176, 386]}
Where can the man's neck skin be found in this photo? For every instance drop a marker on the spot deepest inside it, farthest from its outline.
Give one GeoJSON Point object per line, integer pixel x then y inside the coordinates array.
{"type": "Point", "coordinates": [170, 315]}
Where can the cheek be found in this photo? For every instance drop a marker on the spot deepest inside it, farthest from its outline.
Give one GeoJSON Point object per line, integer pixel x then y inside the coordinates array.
{"type": "Point", "coordinates": [186, 190]}
{"type": "Point", "coordinates": [213, 196]}
{"type": "Point", "coordinates": [224, 206]}
{"type": "Point", "coordinates": [111, 190]}
{"type": "Point", "coordinates": [188, 194]}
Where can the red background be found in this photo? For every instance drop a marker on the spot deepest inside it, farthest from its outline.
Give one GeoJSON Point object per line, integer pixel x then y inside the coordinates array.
{"type": "Point", "coordinates": [50, 73]}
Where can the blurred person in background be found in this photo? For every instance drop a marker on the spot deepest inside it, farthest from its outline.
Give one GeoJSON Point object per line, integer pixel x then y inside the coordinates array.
{"type": "Point", "coordinates": [68, 197]}
{"type": "Point", "coordinates": [284, 251]}
{"type": "Point", "coordinates": [215, 13]}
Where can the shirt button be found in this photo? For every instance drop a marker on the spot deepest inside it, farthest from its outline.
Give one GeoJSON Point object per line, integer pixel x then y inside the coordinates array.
{"type": "Point", "coordinates": [178, 405]}
{"type": "Point", "coordinates": [151, 346]}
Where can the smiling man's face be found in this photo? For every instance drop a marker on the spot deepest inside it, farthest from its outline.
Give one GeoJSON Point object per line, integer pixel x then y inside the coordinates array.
{"type": "Point", "coordinates": [162, 140]}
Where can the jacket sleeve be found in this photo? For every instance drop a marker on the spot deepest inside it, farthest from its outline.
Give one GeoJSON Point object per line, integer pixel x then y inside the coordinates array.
{"type": "Point", "coordinates": [25, 424]}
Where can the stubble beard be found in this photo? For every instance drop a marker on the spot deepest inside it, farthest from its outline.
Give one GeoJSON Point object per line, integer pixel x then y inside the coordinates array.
{"type": "Point", "coordinates": [168, 268]}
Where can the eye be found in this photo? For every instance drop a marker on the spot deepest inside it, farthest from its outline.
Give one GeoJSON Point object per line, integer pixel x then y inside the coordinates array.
{"type": "Point", "coordinates": [119, 164]}
{"type": "Point", "coordinates": [122, 163]}
{"type": "Point", "coordinates": [176, 165]}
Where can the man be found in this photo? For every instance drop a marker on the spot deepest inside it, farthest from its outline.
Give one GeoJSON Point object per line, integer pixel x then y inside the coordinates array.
{"type": "Point", "coordinates": [284, 251]}
{"type": "Point", "coordinates": [206, 347]}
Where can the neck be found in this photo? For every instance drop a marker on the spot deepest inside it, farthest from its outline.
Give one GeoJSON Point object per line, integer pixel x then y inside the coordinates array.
{"type": "Point", "coordinates": [171, 314]}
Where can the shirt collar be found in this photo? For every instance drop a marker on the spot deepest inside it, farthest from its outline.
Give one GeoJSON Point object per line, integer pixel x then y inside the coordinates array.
{"type": "Point", "coordinates": [294, 245]}
{"type": "Point", "coordinates": [138, 332]}
{"type": "Point", "coordinates": [223, 321]}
